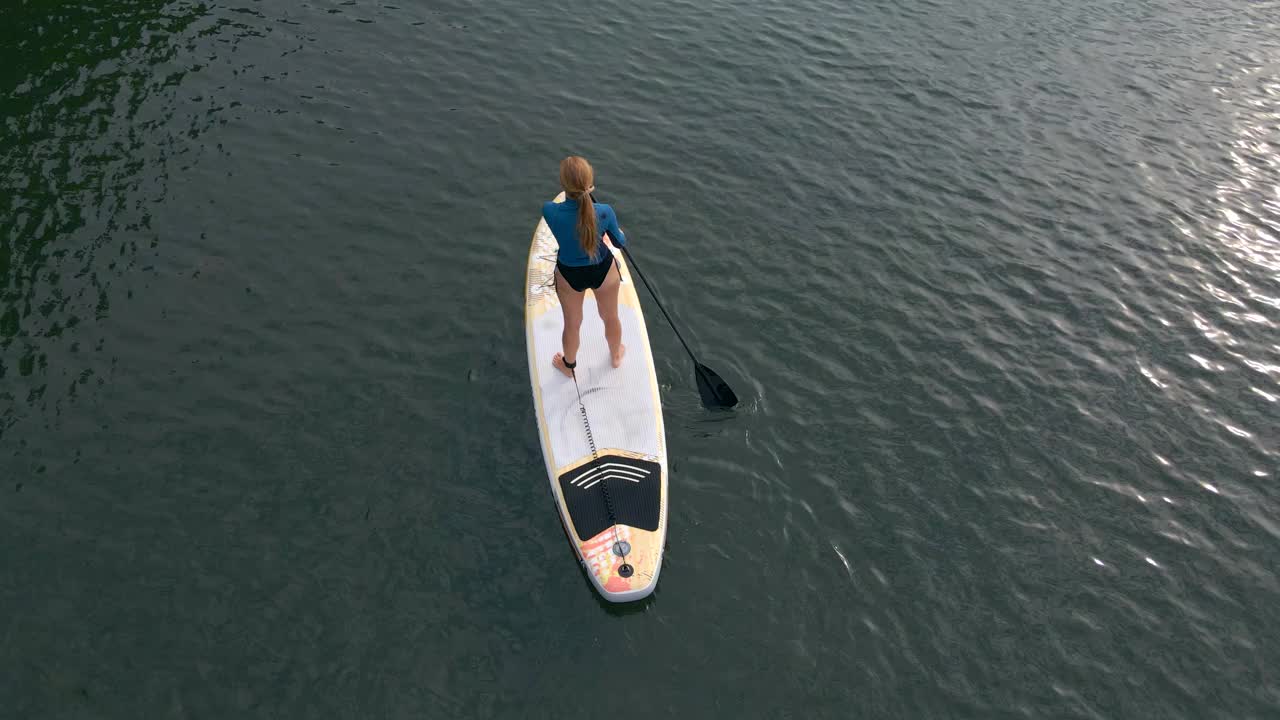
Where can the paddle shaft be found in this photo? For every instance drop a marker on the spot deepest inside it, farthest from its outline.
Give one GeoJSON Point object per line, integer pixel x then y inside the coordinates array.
{"type": "Point", "coordinates": [631, 261]}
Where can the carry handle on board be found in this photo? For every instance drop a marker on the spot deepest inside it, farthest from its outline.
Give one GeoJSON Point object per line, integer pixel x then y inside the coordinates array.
{"type": "Point", "coordinates": [715, 392]}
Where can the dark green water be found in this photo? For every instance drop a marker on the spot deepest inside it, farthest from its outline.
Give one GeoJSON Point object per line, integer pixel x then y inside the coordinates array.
{"type": "Point", "coordinates": [998, 282]}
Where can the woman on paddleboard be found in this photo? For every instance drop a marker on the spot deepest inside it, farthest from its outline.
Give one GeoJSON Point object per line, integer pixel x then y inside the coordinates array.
{"type": "Point", "coordinates": [583, 263]}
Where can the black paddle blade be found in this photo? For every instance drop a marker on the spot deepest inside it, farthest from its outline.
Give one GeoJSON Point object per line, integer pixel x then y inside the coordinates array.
{"type": "Point", "coordinates": [715, 392]}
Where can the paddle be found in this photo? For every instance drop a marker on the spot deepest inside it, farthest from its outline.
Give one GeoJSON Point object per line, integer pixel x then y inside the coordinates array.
{"type": "Point", "coordinates": [715, 392]}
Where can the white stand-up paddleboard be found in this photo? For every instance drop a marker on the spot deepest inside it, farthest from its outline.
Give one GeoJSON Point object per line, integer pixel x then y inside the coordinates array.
{"type": "Point", "coordinates": [603, 440]}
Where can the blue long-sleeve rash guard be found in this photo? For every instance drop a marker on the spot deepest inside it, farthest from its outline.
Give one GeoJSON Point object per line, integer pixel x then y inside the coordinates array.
{"type": "Point", "coordinates": [562, 218]}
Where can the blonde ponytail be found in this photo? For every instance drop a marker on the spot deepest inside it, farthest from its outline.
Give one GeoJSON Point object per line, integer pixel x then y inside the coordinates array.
{"type": "Point", "coordinates": [578, 180]}
{"type": "Point", "coordinates": [588, 235]}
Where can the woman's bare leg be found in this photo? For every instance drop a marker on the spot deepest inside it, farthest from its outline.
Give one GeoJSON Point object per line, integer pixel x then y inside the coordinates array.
{"type": "Point", "coordinates": [571, 304]}
{"type": "Point", "coordinates": [607, 304]}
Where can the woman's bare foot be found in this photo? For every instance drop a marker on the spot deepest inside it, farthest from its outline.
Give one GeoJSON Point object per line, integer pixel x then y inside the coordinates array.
{"type": "Point", "coordinates": [558, 363]}
{"type": "Point", "coordinates": [617, 356]}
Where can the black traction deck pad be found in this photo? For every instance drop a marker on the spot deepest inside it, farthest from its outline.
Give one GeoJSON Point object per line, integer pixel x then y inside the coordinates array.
{"type": "Point", "coordinates": [635, 493]}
